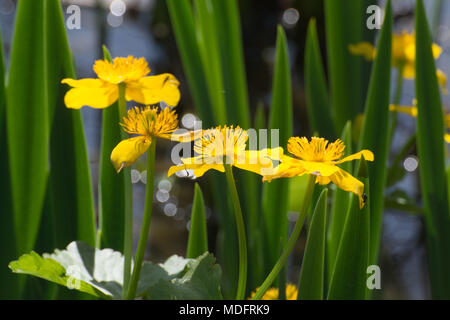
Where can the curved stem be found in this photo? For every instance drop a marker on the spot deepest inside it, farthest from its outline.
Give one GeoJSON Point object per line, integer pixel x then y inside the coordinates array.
{"type": "Point", "coordinates": [142, 244]}
{"type": "Point", "coordinates": [128, 207]}
{"type": "Point", "coordinates": [240, 295]}
{"type": "Point", "coordinates": [291, 242]}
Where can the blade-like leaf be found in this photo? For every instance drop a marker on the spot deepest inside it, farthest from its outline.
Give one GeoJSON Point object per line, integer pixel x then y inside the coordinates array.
{"type": "Point", "coordinates": [225, 15]}
{"type": "Point", "coordinates": [375, 129]}
{"type": "Point", "coordinates": [276, 193]}
{"type": "Point", "coordinates": [190, 35]}
{"type": "Point", "coordinates": [27, 122]}
{"type": "Point", "coordinates": [344, 25]}
{"type": "Point", "coordinates": [430, 147]}
{"type": "Point", "coordinates": [228, 32]}
{"type": "Point", "coordinates": [112, 199]}
{"type": "Point", "coordinates": [339, 208]}
{"type": "Point", "coordinates": [317, 100]}
{"type": "Point", "coordinates": [198, 240]}
{"type": "Point", "coordinates": [311, 282]}
{"type": "Point", "coordinates": [348, 280]}
{"type": "Point", "coordinates": [69, 181]}
{"type": "Point", "coordinates": [2, 88]}
{"type": "Point", "coordinates": [210, 55]}
{"type": "Point", "coordinates": [8, 290]}
{"type": "Point", "coordinates": [182, 21]}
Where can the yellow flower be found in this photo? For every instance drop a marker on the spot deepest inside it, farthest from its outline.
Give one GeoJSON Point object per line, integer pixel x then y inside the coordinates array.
{"type": "Point", "coordinates": [147, 123]}
{"type": "Point", "coordinates": [130, 72]}
{"type": "Point", "coordinates": [412, 111]}
{"type": "Point", "coordinates": [219, 146]}
{"type": "Point", "coordinates": [403, 55]}
{"type": "Point", "coordinates": [272, 293]}
{"type": "Point", "coordinates": [320, 158]}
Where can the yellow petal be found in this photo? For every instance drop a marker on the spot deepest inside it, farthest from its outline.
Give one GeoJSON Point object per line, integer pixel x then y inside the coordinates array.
{"type": "Point", "coordinates": [368, 156]}
{"type": "Point", "coordinates": [347, 182]}
{"type": "Point", "coordinates": [365, 49]}
{"type": "Point", "coordinates": [323, 180]}
{"type": "Point", "coordinates": [260, 161]}
{"type": "Point", "coordinates": [323, 169]}
{"type": "Point", "coordinates": [410, 110]}
{"type": "Point", "coordinates": [128, 151]}
{"type": "Point", "coordinates": [447, 137]}
{"type": "Point", "coordinates": [199, 169]}
{"type": "Point", "coordinates": [154, 89]}
{"type": "Point", "coordinates": [437, 50]}
{"type": "Point", "coordinates": [409, 51]}
{"type": "Point", "coordinates": [186, 136]}
{"type": "Point", "coordinates": [94, 93]}
{"type": "Point", "coordinates": [442, 80]}
{"type": "Point", "coordinates": [289, 167]}
{"type": "Point", "coordinates": [409, 71]}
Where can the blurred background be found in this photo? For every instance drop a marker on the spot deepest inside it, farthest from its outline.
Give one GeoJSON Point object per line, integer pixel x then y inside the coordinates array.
{"type": "Point", "coordinates": [142, 28]}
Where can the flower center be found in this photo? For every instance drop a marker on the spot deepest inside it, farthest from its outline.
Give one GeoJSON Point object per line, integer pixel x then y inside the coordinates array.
{"type": "Point", "coordinates": [149, 122]}
{"type": "Point", "coordinates": [317, 150]}
{"type": "Point", "coordinates": [222, 145]}
{"type": "Point", "coordinates": [121, 69]}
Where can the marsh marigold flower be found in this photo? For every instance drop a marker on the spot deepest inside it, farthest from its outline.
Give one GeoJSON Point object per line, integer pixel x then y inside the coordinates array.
{"type": "Point", "coordinates": [272, 293]}
{"type": "Point", "coordinates": [321, 158]}
{"type": "Point", "coordinates": [147, 124]}
{"type": "Point", "coordinates": [403, 54]}
{"type": "Point", "coordinates": [226, 145]}
{"type": "Point", "coordinates": [130, 72]}
{"type": "Point", "coordinates": [412, 111]}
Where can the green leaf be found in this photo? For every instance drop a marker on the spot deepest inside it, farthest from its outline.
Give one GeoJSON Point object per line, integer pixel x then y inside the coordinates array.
{"type": "Point", "coordinates": [344, 22]}
{"type": "Point", "coordinates": [317, 100]}
{"type": "Point", "coordinates": [27, 122]}
{"type": "Point", "coordinates": [224, 20]}
{"type": "Point", "coordinates": [297, 185]}
{"type": "Point", "coordinates": [151, 273]}
{"type": "Point", "coordinates": [2, 87]}
{"type": "Point", "coordinates": [183, 25]}
{"type": "Point", "coordinates": [430, 147]}
{"type": "Point", "coordinates": [194, 56]}
{"type": "Point", "coordinates": [228, 33]}
{"type": "Point", "coordinates": [312, 273]}
{"type": "Point", "coordinates": [276, 193]}
{"type": "Point", "coordinates": [8, 290]}
{"type": "Point", "coordinates": [339, 207]}
{"type": "Point", "coordinates": [259, 121]}
{"type": "Point", "coordinates": [69, 181]}
{"type": "Point", "coordinates": [210, 55]}
{"type": "Point", "coordinates": [99, 272]}
{"type": "Point", "coordinates": [198, 239]}
{"type": "Point", "coordinates": [201, 281]}
{"type": "Point", "coordinates": [348, 280]}
{"type": "Point", "coordinates": [113, 193]}
{"type": "Point", "coordinates": [78, 266]}
{"type": "Point", "coordinates": [375, 135]}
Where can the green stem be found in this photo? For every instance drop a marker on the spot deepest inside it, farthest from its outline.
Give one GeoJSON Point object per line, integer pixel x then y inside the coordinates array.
{"type": "Point", "coordinates": [128, 223]}
{"type": "Point", "coordinates": [143, 238]}
{"type": "Point", "coordinates": [291, 242]}
{"type": "Point", "coordinates": [240, 295]}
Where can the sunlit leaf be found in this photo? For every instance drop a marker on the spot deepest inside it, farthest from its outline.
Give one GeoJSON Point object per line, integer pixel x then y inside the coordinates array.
{"type": "Point", "coordinates": [430, 147]}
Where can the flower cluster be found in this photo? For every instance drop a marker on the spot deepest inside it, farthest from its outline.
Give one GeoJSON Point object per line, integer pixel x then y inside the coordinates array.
{"type": "Point", "coordinates": [215, 147]}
